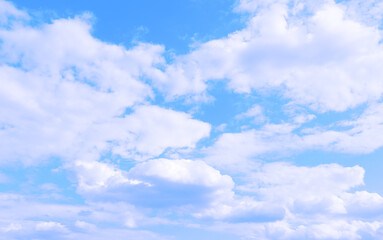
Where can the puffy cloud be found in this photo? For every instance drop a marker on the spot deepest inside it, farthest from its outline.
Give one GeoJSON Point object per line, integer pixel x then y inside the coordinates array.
{"type": "Point", "coordinates": [364, 135]}
{"type": "Point", "coordinates": [243, 209]}
{"type": "Point", "coordinates": [357, 136]}
{"type": "Point", "coordinates": [67, 82]}
{"type": "Point", "coordinates": [182, 186]}
{"type": "Point", "coordinates": [82, 100]}
{"type": "Point", "coordinates": [363, 204]}
{"type": "Point", "coordinates": [182, 171]}
{"type": "Point", "coordinates": [305, 190]}
{"type": "Point", "coordinates": [315, 54]}
{"type": "Point", "coordinates": [282, 230]}
{"type": "Point", "coordinates": [150, 130]}
{"type": "Point", "coordinates": [25, 216]}
{"type": "Point", "coordinates": [295, 202]}
{"type": "Point", "coordinates": [239, 149]}
{"type": "Point", "coordinates": [183, 182]}
{"type": "Point", "coordinates": [273, 193]}
{"type": "Point", "coordinates": [95, 176]}
{"type": "Point", "coordinates": [156, 183]}
{"type": "Point", "coordinates": [66, 93]}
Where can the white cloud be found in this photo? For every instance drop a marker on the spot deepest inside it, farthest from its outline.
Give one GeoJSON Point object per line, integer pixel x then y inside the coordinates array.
{"type": "Point", "coordinates": [24, 217]}
{"type": "Point", "coordinates": [243, 209]}
{"type": "Point", "coordinates": [239, 149]}
{"type": "Point", "coordinates": [303, 118]}
{"type": "Point", "coordinates": [69, 95]}
{"type": "Point", "coordinates": [364, 204]}
{"type": "Point", "coordinates": [9, 12]}
{"type": "Point", "coordinates": [96, 176]}
{"type": "Point", "coordinates": [50, 226]}
{"type": "Point", "coordinates": [305, 190]}
{"type": "Point", "coordinates": [323, 59]}
{"type": "Point", "coordinates": [282, 230]}
{"type": "Point", "coordinates": [184, 172]}
{"type": "Point", "coordinates": [150, 130]}
{"type": "Point", "coordinates": [295, 202]}
{"type": "Point", "coordinates": [276, 192]}
{"type": "Point", "coordinates": [156, 183]}
{"type": "Point", "coordinates": [359, 136]}
{"type": "Point", "coordinates": [69, 91]}
{"type": "Point", "coordinates": [255, 112]}
{"type": "Point", "coordinates": [67, 83]}
{"type": "Point", "coordinates": [182, 186]}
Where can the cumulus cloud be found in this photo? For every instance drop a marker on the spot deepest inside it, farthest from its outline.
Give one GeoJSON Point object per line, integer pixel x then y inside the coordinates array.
{"type": "Point", "coordinates": [24, 216]}
{"type": "Point", "coordinates": [313, 53]}
{"type": "Point", "coordinates": [151, 130]}
{"type": "Point", "coordinates": [317, 203]}
{"type": "Point", "coordinates": [68, 95]}
{"type": "Point", "coordinates": [281, 230]}
{"type": "Point", "coordinates": [360, 135]}
{"type": "Point", "coordinates": [66, 83]}
{"type": "Point", "coordinates": [181, 186]}
{"type": "Point", "coordinates": [156, 183]}
{"type": "Point", "coordinates": [319, 192]}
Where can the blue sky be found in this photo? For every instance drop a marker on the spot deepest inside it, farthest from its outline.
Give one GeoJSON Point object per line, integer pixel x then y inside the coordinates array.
{"type": "Point", "coordinates": [191, 119]}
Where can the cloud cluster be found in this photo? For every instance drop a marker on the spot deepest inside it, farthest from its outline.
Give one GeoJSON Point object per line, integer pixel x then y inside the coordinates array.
{"type": "Point", "coordinates": [318, 202]}
{"type": "Point", "coordinates": [65, 93]}
{"type": "Point", "coordinates": [92, 105]}
{"type": "Point", "coordinates": [358, 136]}
{"type": "Point", "coordinates": [158, 183]}
{"type": "Point", "coordinates": [314, 53]}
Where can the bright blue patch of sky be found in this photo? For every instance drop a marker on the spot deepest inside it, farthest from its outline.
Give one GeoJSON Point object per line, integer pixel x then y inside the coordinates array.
{"type": "Point", "coordinates": [173, 23]}
{"type": "Point", "coordinates": [31, 181]}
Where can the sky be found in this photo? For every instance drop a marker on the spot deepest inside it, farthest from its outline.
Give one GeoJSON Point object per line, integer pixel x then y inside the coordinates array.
{"type": "Point", "coordinates": [191, 119]}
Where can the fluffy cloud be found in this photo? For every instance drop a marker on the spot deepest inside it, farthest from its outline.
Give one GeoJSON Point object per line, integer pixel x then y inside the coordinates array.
{"type": "Point", "coordinates": [273, 199]}
{"type": "Point", "coordinates": [317, 202]}
{"type": "Point", "coordinates": [319, 192]}
{"type": "Point", "coordinates": [67, 82]}
{"type": "Point", "coordinates": [358, 136]}
{"type": "Point", "coordinates": [69, 95]}
{"type": "Point", "coordinates": [25, 216]}
{"type": "Point", "coordinates": [65, 92]}
{"type": "Point", "coordinates": [180, 186]}
{"type": "Point", "coordinates": [315, 54]}
{"type": "Point", "coordinates": [282, 230]}
{"type": "Point", "coordinates": [156, 183]}
{"type": "Point", "coordinates": [151, 130]}
{"type": "Point", "coordinates": [307, 191]}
